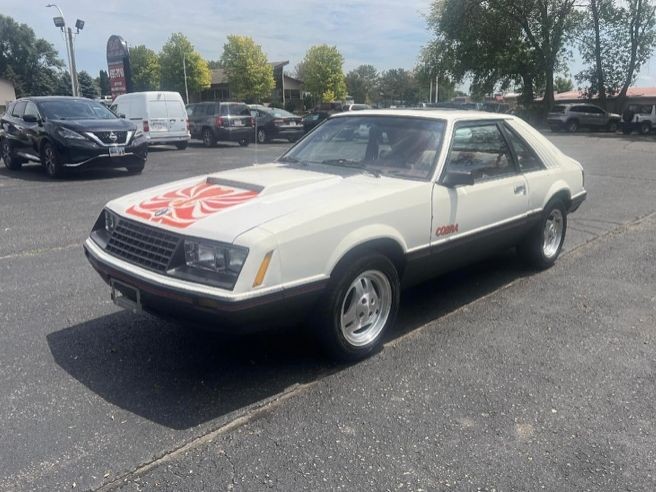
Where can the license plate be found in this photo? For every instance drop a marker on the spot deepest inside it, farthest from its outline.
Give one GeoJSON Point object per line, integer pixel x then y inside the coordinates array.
{"type": "Point", "coordinates": [120, 299]}
{"type": "Point", "coordinates": [116, 151]}
{"type": "Point", "coordinates": [238, 123]}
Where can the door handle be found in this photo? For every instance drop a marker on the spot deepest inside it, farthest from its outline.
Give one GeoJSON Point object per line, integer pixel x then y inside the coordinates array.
{"type": "Point", "coordinates": [520, 190]}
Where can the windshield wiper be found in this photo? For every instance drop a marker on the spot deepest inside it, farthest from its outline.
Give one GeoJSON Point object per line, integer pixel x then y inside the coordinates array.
{"type": "Point", "coordinates": [351, 165]}
{"type": "Point", "coordinates": [292, 160]}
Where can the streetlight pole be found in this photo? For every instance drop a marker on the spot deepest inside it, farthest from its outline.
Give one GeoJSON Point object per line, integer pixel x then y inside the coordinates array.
{"type": "Point", "coordinates": [60, 22]}
{"type": "Point", "coordinates": [184, 70]}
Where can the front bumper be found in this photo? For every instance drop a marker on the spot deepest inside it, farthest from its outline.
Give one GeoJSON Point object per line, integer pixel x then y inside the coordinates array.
{"type": "Point", "coordinates": [89, 154]}
{"type": "Point", "coordinates": [213, 308]}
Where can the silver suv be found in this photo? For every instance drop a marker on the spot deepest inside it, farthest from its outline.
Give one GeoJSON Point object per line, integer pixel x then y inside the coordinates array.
{"type": "Point", "coordinates": [571, 117]}
{"type": "Point", "coordinates": [640, 117]}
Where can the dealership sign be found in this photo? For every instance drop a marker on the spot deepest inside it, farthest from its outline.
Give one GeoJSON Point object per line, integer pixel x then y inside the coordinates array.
{"type": "Point", "coordinates": [118, 63]}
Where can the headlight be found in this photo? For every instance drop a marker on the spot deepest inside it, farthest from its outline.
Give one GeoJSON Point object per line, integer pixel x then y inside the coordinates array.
{"type": "Point", "coordinates": [138, 133]}
{"type": "Point", "coordinates": [110, 221]}
{"type": "Point", "coordinates": [69, 134]}
{"type": "Point", "coordinates": [218, 258]}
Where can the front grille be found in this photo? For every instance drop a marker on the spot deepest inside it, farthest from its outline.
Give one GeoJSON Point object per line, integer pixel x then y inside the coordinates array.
{"type": "Point", "coordinates": [143, 245]}
{"type": "Point", "coordinates": [104, 137]}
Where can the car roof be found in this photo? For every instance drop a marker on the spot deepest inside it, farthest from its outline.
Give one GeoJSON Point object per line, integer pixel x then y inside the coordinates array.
{"type": "Point", "coordinates": [54, 98]}
{"type": "Point", "coordinates": [429, 113]}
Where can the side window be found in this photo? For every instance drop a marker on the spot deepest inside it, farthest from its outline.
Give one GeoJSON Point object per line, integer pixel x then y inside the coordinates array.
{"type": "Point", "coordinates": [527, 159]}
{"type": "Point", "coordinates": [595, 110]}
{"type": "Point", "coordinates": [19, 108]}
{"type": "Point", "coordinates": [481, 150]}
{"type": "Point", "coordinates": [224, 110]}
{"type": "Point", "coordinates": [31, 109]}
{"type": "Point", "coordinates": [577, 109]}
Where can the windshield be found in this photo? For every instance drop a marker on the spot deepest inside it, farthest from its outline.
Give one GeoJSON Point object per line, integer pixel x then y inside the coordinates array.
{"type": "Point", "coordinates": [396, 146]}
{"type": "Point", "coordinates": [75, 110]}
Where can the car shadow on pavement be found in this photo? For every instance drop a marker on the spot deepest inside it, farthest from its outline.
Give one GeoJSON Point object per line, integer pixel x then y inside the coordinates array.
{"type": "Point", "coordinates": [35, 172]}
{"type": "Point", "coordinates": [180, 377]}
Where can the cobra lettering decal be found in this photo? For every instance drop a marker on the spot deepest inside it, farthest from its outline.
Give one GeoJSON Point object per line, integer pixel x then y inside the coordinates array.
{"type": "Point", "coordinates": [446, 230]}
{"type": "Point", "coordinates": [184, 207]}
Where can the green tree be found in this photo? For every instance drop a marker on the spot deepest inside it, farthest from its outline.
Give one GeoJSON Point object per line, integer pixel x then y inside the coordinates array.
{"type": "Point", "coordinates": [88, 86]}
{"type": "Point", "coordinates": [323, 74]}
{"type": "Point", "coordinates": [399, 86]}
{"type": "Point", "coordinates": [501, 42]}
{"type": "Point", "coordinates": [30, 63]}
{"type": "Point", "coordinates": [171, 58]}
{"type": "Point", "coordinates": [144, 65]}
{"type": "Point", "coordinates": [562, 84]}
{"type": "Point", "coordinates": [103, 83]}
{"type": "Point", "coordinates": [362, 83]}
{"type": "Point", "coordinates": [247, 68]}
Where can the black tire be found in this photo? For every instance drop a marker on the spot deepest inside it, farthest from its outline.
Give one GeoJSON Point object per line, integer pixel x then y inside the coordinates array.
{"type": "Point", "coordinates": [533, 249]}
{"type": "Point", "coordinates": [136, 168]}
{"type": "Point", "coordinates": [181, 145]}
{"type": "Point", "coordinates": [12, 162]}
{"type": "Point", "coordinates": [262, 136]}
{"type": "Point", "coordinates": [572, 126]}
{"type": "Point", "coordinates": [51, 161]}
{"type": "Point", "coordinates": [612, 126]}
{"type": "Point", "coordinates": [328, 319]}
{"type": "Point", "coordinates": [209, 140]}
{"type": "Point", "coordinates": [243, 142]}
{"type": "Point", "coordinates": [645, 128]}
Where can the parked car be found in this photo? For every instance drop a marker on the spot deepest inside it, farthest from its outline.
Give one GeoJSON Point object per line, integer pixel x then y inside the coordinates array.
{"type": "Point", "coordinates": [214, 122]}
{"type": "Point", "coordinates": [639, 117]}
{"type": "Point", "coordinates": [69, 133]}
{"type": "Point", "coordinates": [571, 117]}
{"type": "Point", "coordinates": [161, 115]}
{"type": "Point", "coordinates": [355, 107]}
{"type": "Point", "coordinates": [273, 123]}
{"type": "Point", "coordinates": [335, 228]}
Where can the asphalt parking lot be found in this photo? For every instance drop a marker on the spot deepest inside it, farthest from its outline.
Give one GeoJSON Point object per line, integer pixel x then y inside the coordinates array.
{"type": "Point", "coordinates": [498, 378]}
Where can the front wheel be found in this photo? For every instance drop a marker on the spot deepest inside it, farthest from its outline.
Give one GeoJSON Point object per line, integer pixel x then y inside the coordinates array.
{"type": "Point", "coordinates": [181, 145]}
{"type": "Point", "coordinates": [645, 128]}
{"type": "Point", "coordinates": [360, 305]}
{"type": "Point", "coordinates": [544, 243]}
{"type": "Point", "coordinates": [136, 168]}
{"type": "Point", "coordinates": [11, 162]}
{"type": "Point", "coordinates": [572, 126]}
{"type": "Point", "coordinates": [51, 161]}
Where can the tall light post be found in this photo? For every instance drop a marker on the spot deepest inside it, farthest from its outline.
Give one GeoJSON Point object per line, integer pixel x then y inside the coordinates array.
{"type": "Point", "coordinates": [60, 22]}
{"type": "Point", "coordinates": [184, 71]}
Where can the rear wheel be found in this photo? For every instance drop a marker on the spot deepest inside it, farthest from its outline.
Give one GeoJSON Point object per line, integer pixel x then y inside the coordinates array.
{"type": "Point", "coordinates": [543, 244]}
{"type": "Point", "coordinates": [52, 161]}
{"type": "Point", "coordinates": [645, 128]}
{"type": "Point", "coordinates": [208, 138]}
{"type": "Point", "coordinates": [359, 307]}
{"type": "Point", "coordinates": [181, 145]}
{"type": "Point", "coordinates": [262, 136]}
{"type": "Point", "coordinates": [12, 162]}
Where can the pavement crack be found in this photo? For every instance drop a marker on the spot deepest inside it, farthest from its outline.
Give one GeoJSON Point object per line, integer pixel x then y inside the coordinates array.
{"type": "Point", "coordinates": [39, 251]}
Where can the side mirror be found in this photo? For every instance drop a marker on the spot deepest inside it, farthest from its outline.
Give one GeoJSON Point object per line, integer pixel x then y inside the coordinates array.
{"type": "Point", "coordinates": [458, 178]}
{"type": "Point", "coordinates": [30, 118]}
{"type": "Point", "coordinates": [121, 115]}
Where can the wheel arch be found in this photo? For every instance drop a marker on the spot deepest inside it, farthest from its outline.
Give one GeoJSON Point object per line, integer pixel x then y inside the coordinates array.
{"type": "Point", "coordinates": [559, 191]}
{"type": "Point", "coordinates": [390, 245]}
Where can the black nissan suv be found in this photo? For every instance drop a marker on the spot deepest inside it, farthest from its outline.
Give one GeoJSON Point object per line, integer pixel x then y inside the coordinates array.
{"type": "Point", "coordinates": [69, 133]}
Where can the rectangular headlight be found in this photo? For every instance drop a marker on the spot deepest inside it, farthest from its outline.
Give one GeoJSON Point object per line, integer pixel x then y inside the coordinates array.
{"type": "Point", "coordinates": [212, 257]}
{"type": "Point", "coordinates": [110, 221]}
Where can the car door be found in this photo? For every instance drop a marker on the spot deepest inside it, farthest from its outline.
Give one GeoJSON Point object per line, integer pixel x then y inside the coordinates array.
{"type": "Point", "coordinates": [15, 127]}
{"type": "Point", "coordinates": [31, 130]}
{"type": "Point", "coordinates": [490, 211]}
{"type": "Point", "coordinates": [596, 116]}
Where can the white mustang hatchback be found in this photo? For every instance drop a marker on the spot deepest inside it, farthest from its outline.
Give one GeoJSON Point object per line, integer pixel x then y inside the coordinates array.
{"type": "Point", "coordinates": [364, 205]}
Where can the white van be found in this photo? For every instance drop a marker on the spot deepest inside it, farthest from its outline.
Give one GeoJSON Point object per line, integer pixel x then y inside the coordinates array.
{"type": "Point", "coordinates": [162, 115]}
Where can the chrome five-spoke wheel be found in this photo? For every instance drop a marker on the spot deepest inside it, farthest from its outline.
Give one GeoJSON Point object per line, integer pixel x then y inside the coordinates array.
{"type": "Point", "coordinates": [553, 233]}
{"type": "Point", "coordinates": [365, 308]}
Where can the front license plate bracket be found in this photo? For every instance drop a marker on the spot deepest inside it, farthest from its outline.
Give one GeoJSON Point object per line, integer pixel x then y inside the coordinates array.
{"type": "Point", "coordinates": [124, 301]}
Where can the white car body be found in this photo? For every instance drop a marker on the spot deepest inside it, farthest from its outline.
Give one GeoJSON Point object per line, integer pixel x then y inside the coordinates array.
{"type": "Point", "coordinates": [311, 220]}
{"type": "Point", "coordinates": [161, 115]}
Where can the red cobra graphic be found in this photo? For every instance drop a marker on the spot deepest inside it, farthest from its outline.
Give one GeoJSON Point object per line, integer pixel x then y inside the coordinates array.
{"type": "Point", "coordinates": [182, 208]}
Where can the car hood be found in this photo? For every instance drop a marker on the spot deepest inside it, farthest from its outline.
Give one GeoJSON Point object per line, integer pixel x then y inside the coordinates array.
{"type": "Point", "coordinates": [224, 205]}
{"type": "Point", "coordinates": [118, 124]}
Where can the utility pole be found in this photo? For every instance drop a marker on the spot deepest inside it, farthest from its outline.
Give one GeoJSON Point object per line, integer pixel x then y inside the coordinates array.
{"type": "Point", "coordinates": [60, 22]}
{"type": "Point", "coordinates": [184, 70]}
{"type": "Point", "coordinates": [437, 88]}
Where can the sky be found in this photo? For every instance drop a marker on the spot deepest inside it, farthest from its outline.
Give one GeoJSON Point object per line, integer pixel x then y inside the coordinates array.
{"type": "Point", "coordinates": [384, 33]}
